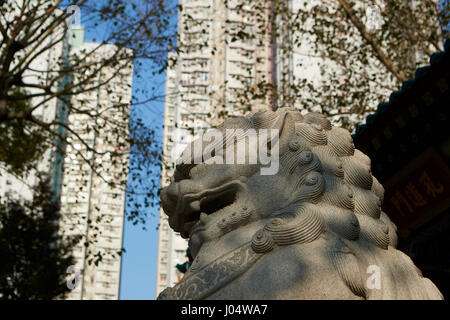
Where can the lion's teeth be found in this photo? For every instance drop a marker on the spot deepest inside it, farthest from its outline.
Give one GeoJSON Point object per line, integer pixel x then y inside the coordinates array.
{"type": "Point", "coordinates": [195, 205]}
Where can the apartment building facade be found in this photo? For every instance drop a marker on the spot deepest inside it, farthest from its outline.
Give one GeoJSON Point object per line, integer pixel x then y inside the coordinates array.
{"type": "Point", "coordinates": [90, 205]}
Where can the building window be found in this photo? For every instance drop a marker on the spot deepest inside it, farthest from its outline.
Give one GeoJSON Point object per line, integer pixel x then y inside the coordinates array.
{"type": "Point", "coordinates": [201, 90]}
{"type": "Point", "coordinates": [185, 78]}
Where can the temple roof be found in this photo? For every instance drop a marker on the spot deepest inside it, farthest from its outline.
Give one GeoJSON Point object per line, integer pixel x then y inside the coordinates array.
{"type": "Point", "coordinates": [414, 118]}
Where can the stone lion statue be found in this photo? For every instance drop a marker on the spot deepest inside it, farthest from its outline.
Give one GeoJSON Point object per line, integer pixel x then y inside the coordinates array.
{"type": "Point", "coordinates": [313, 230]}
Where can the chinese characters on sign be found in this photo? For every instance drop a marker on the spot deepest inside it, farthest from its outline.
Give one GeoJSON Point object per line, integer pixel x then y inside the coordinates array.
{"type": "Point", "coordinates": [418, 192]}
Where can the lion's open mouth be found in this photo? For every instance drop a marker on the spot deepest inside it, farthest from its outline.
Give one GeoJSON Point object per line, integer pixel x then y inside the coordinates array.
{"type": "Point", "coordinates": [192, 208]}
{"type": "Point", "coordinates": [200, 209]}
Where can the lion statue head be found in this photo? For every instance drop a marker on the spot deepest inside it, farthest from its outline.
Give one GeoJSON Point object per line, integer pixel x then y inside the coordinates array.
{"type": "Point", "coordinates": [312, 228]}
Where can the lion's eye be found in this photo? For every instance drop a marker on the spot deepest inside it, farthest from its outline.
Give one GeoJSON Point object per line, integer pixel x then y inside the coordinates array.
{"type": "Point", "coordinates": [294, 145]}
{"type": "Point", "coordinates": [312, 179]}
{"type": "Point", "coordinates": [306, 157]}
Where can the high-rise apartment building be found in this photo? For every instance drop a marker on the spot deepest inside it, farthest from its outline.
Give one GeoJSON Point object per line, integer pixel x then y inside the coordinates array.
{"type": "Point", "coordinates": [90, 206]}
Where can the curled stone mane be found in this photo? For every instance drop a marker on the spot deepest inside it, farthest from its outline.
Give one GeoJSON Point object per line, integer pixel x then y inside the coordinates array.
{"type": "Point", "coordinates": [314, 230]}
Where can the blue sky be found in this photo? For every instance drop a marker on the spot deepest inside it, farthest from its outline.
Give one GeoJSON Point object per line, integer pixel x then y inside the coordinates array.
{"type": "Point", "coordinates": [138, 277]}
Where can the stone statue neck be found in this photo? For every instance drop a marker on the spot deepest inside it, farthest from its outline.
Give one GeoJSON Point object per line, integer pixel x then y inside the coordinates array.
{"type": "Point", "coordinates": [233, 240]}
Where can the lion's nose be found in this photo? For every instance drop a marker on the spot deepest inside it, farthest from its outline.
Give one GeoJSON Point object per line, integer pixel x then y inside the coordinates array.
{"type": "Point", "coordinates": [169, 198]}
